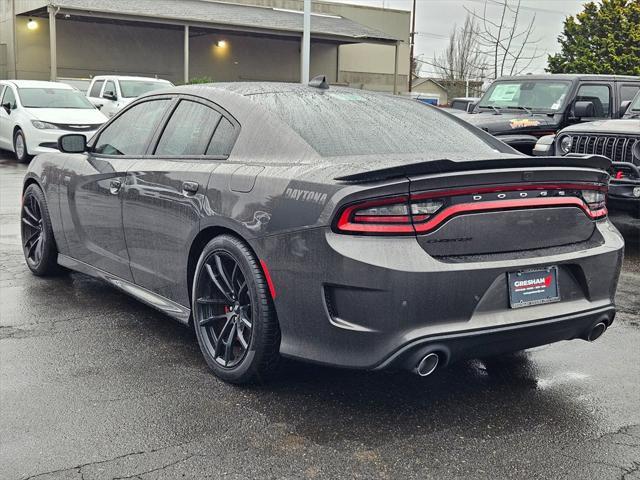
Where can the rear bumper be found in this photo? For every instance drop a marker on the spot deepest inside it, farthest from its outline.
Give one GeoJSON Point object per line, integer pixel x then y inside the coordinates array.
{"type": "Point", "coordinates": [499, 340]}
{"type": "Point", "coordinates": [357, 302]}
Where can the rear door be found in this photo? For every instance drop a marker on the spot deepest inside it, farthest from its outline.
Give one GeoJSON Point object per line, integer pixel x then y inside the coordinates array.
{"type": "Point", "coordinates": [91, 200]}
{"type": "Point", "coordinates": [164, 196]}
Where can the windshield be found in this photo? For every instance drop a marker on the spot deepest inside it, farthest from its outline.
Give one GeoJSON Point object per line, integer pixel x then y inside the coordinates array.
{"type": "Point", "coordinates": [53, 98]}
{"type": "Point", "coordinates": [533, 95]}
{"type": "Point", "coordinates": [343, 122]}
{"type": "Point", "coordinates": [135, 88]}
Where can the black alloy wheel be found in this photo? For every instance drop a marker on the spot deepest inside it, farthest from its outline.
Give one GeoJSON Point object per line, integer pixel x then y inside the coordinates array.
{"type": "Point", "coordinates": [38, 244]}
{"type": "Point", "coordinates": [233, 313]}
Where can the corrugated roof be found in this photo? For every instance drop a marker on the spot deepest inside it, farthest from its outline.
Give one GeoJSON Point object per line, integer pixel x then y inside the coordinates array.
{"type": "Point", "coordinates": [229, 15]}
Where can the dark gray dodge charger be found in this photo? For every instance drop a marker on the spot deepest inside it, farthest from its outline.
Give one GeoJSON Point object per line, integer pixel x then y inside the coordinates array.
{"type": "Point", "coordinates": [327, 224]}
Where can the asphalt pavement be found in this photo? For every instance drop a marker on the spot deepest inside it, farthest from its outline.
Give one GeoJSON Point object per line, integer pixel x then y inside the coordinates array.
{"type": "Point", "coordinates": [95, 385]}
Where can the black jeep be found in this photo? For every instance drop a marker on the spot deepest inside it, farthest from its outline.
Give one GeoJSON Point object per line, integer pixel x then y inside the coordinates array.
{"type": "Point", "coordinates": [519, 110]}
{"type": "Point", "coordinates": [618, 140]}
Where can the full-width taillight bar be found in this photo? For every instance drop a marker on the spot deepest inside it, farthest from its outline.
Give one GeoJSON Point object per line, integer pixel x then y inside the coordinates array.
{"type": "Point", "coordinates": [426, 211]}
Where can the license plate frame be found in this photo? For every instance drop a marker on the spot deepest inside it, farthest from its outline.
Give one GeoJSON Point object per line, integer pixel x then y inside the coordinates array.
{"type": "Point", "coordinates": [537, 286]}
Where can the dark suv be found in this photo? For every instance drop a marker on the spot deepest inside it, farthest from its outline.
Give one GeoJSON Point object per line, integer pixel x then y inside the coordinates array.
{"type": "Point", "coordinates": [519, 110]}
{"type": "Point", "coordinates": [618, 140]}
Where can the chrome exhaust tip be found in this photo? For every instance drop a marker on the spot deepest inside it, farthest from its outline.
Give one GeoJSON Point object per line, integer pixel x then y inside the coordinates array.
{"type": "Point", "coordinates": [428, 364]}
{"type": "Point", "coordinates": [596, 332]}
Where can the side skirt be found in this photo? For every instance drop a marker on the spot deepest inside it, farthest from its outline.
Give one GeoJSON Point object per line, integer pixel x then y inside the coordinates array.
{"type": "Point", "coordinates": [166, 306]}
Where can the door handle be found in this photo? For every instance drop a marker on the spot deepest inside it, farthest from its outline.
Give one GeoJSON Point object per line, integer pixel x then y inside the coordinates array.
{"type": "Point", "coordinates": [115, 186]}
{"type": "Point", "coordinates": [190, 188]}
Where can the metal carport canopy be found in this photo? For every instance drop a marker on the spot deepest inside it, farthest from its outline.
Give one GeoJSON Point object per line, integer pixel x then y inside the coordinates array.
{"type": "Point", "coordinates": [219, 15]}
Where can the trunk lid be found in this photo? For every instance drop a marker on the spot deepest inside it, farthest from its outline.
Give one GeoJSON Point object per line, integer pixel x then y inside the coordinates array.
{"type": "Point", "coordinates": [505, 210]}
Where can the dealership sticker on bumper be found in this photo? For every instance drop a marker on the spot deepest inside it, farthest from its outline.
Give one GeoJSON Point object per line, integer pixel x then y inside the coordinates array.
{"type": "Point", "coordinates": [533, 287]}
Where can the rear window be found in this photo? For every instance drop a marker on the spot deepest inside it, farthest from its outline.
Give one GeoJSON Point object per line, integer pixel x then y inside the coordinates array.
{"type": "Point", "coordinates": [135, 88]}
{"type": "Point", "coordinates": [340, 122]}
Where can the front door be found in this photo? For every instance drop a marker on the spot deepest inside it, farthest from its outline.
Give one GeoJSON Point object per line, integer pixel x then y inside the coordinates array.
{"type": "Point", "coordinates": [6, 122]}
{"type": "Point", "coordinates": [109, 99]}
{"type": "Point", "coordinates": [165, 198]}
{"type": "Point", "coordinates": [92, 212]}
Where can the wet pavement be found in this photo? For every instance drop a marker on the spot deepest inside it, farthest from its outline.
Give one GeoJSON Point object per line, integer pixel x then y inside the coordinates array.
{"type": "Point", "coordinates": [94, 385]}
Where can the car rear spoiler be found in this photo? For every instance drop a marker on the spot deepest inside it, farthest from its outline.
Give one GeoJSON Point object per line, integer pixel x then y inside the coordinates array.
{"type": "Point", "coordinates": [443, 166]}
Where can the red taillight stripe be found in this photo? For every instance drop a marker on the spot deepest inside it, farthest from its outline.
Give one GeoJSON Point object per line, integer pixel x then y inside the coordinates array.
{"type": "Point", "coordinates": [383, 218]}
{"type": "Point", "coordinates": [267, 277]}
{"type": "Point", "coordinates": [455, 210]}
{"type": "Point", "coordinates": [348, 222]}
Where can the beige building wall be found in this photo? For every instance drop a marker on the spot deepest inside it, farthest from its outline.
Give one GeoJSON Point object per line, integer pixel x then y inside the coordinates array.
{"type": "Point", "coordinates": [429, 88]}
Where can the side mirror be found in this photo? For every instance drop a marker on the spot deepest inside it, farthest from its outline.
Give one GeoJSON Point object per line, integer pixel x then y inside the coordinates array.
{"type": "Point", "coordinates": [72, 143]}
{"type": "Point", "coordinates": [471, 106]}
{"type": "Point", "coordinates": [624, 106]}
{"type": "Point", "coordinates": [109, 96]}
{"type": "Point", "coordinates": [584, 109]}
{"type": "Point", "coordinates": [7, 107]}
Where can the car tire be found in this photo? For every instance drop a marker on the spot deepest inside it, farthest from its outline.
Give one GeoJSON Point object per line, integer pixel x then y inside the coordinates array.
{"type": "Point", "coordinates": [233, 313]}
{"type": "Point", "coordinates": [38, 243]}
{"type": "Point", "coordinates": [20, 147]}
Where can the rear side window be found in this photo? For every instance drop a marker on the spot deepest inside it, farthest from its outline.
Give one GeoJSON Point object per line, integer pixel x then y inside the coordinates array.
{"type": "Point", "coordinates": [95, 88]}
{"type": "Point", "coordinates": [599, 95]}
{"type": "Point", "coordinates": [343, 122]}
{"type": "Point", "coordinates": [223, 139]}
{"type": "Point", "coordinates": [130, 132]}
{"type": "Point", "coordinates": [189, 130]}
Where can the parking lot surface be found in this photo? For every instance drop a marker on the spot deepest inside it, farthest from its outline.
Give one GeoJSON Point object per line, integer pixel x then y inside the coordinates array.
{"type": "Point", "coordinates": [94, 385]}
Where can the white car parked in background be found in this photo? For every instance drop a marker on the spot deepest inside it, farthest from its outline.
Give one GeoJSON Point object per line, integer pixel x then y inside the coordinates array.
{"type": "Point", "coordinates": [33, 115]}
{"type": "Point", "coordinates": [110, 93]}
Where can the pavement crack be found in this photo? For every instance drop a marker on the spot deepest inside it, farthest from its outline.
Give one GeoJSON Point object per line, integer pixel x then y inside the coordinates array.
{"type": "Point", "coordinates": [171, 464]}
{"type": "Point", "coordinates": [630, 471]}
{"type": "Point", "coordinates": [79, 468]}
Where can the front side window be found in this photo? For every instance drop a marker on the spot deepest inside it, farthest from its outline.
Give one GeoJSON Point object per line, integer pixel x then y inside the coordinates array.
{"type": "Point", "coordinates": [10, 98]}
{"type": "Point", "coordinates": [536, 95]}
{"type": "Point", "coordinates": [189, 130]}
{"type": "Point", "coordinates": [95, 88]}
{"type": "Point", "coordinates": [599, 95]}
{"type": "Point", "coordinates": [135, 88]}
{"type": "Point", "coordinates": [110, 89]}
{"type": "Point", "coordinates": [130, 132]}
{"type": "Point", "coordinates": [53, 98]}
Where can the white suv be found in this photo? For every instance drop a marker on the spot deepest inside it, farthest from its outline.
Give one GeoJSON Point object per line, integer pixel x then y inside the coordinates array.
{"type": "Point", "coordinates": [110, 93]}
{"type": "Point", "coordinates": [33, 115]}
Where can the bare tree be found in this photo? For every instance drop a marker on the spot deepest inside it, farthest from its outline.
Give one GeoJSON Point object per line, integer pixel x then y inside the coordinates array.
{"type": "Point", "coordinates": [463, 59]}
{"type": "Point", "coordinates": [506, 41]}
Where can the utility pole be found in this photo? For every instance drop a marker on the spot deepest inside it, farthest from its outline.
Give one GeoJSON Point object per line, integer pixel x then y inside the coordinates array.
{"type": "Point", "coordinates": [412, 39]}
{"type": "Point", "coordinates": [305, 50]}
{"type": "Point", "coordinates": [14, 39]}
